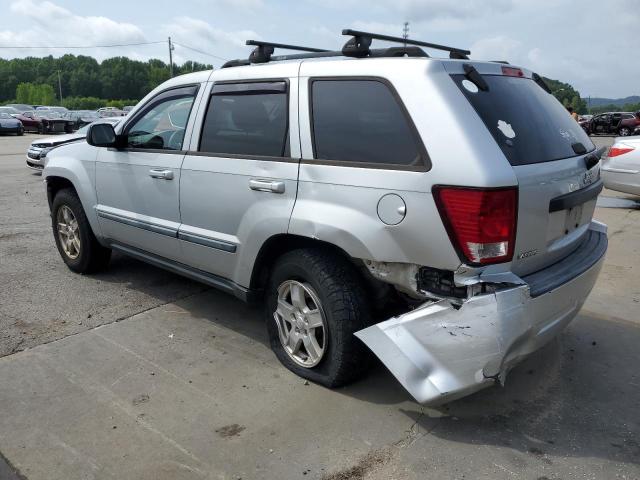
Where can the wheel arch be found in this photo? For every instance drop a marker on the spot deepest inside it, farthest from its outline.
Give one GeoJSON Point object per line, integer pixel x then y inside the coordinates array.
{"type": "Point", "coordinates": [277, 245]}
{"type": "Point", "coordinates": [75, 176]}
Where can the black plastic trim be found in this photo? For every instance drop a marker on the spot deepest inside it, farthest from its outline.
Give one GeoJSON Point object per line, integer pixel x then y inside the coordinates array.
{"type": "Point", "coordinates": [207, 278]}
{"type": "Point", "coordinates": [592, 248]}
{"type": "Point", "coordinates": [572, 199]}
{"type": "Point", "coordinates": [242, 156]}
{"type": "Point", "coordinates": [151, 227]}
{"type": "Point", "coordinates": [208, 242]}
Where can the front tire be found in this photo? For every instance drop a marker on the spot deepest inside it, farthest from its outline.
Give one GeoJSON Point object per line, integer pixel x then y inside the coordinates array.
{"type": "Point", "coordinates": [624, 132]}
{"type": "Point", "coordinates": [315, 303]}
{"type": "Point", "coordinates": [74, 238]}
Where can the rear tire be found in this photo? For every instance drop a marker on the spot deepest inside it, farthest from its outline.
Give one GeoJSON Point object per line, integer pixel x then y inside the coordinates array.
{"type": "Point", "coordinates": [74, 238]}
{"type": "Point", "coordinates": [624, 132]}
{"type": "Point", "coordinates": [333, 286]}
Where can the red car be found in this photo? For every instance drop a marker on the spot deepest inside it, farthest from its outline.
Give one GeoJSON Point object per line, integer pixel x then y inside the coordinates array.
{"type": "Point", "coordinates": [31, 121]}
{"type": "Point", "coordinates": [627, 126]}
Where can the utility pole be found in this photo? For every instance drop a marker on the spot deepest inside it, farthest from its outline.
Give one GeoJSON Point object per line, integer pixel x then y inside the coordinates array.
{"type": "Point", "coordinates": [405, 32]}
{"type": "Point", "coordinates": [60, 87]}
{"type": "Point", "coordinates": [170, 58]}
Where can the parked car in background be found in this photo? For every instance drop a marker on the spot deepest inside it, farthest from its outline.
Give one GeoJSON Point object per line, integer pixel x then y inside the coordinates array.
{"type": "Point", "coordinates": [127, 108]}
{"type": "Point", "coordinates": [81, 117]}
{"type": "Point", "coordinates": [628, 125]}
{"type": "Point", "coordinates": [29, 122]}
{"type": "Point", "coordinates": [39, 148]}
{"type": "Point", "coordinates": [606, 123]}
{"type": "Point", "coordinates": [8, 124]}
{"type": "Point", "coordinates": [621, 167]}
{"type": "Point", "coordinates": [107, 112]}
{"type": "Point", "coordinates": [53, 122]}
{"type": "Point", "coordinates": [60, 110]}
{"type": "Point", "coordinates": [21, 107]}
{"type": "Point", "coordinates": [9, 110]}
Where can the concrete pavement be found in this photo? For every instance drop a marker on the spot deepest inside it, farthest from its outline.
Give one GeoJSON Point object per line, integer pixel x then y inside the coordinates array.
{"type": "Point", "coordinates": [139, 374]}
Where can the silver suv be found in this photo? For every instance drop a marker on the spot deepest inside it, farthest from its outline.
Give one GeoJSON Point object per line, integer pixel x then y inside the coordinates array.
{"type": "Point", "coordinates": [437, 211]}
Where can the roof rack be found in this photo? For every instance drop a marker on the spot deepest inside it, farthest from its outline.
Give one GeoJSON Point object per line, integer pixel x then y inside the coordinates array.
{"type": "Point", "coordinates": [359, 46]}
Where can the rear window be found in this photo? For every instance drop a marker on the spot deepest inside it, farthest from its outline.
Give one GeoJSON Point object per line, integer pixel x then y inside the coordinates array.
{"type": "Point", "coordinates": [529, 124]}
{"type": "Point", "coordinates": [361, 121]}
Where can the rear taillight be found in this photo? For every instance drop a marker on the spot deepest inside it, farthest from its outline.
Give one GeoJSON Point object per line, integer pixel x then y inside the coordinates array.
{"type": "Point", "coordinates": [616, 151]}
{"type": "Point", "coordinates": [481, 222]}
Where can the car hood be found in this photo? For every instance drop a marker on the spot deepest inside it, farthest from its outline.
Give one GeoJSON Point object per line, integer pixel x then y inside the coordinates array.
{"type": "Point", "coordinates": [57, 140]}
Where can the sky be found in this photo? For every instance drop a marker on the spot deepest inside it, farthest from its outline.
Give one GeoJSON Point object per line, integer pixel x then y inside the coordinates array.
{"type": "Point", "coordinates": [591, 44]}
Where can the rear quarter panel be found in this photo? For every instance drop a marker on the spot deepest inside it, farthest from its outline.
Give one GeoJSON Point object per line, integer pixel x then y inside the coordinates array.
{"type": "Point", "coordinates": [338, 204]}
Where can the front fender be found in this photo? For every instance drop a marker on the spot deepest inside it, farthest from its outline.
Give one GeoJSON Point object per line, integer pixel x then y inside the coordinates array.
{"type": "Point", "coordinates": [76, 163]}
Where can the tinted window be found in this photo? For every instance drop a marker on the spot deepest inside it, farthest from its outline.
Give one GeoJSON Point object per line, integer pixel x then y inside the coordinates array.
{"type": "Point", "coordinates": [529, 124]}
{"type": "Point", "coordinates": [247, 119]}
{"type": "Point", "coordinates": [163, 126]}
{"type": "Point", "coordinates": [361, 121]}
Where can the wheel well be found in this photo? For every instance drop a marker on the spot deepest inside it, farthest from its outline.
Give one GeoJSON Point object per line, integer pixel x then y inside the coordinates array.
{"type": "Point", "coordinates": [278, 245]}
{"type": "Point", "coordinates": [54, 185]}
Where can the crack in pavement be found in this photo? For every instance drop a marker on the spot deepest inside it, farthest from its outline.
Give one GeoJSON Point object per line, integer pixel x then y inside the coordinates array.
{"type": "Point", "coordinates": [15, 350]}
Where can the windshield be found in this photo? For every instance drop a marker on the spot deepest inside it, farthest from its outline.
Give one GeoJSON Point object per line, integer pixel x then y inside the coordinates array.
{"type": "Point", "coordinates": [529, 124]}
{"type": "Point", "coordinates": [9, 110]}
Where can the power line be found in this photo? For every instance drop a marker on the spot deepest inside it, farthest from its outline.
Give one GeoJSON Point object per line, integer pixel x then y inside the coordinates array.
{"type": "Point", "coordinates": [200, 51]}
{"type": "Point", "coordinates": [81, 46]}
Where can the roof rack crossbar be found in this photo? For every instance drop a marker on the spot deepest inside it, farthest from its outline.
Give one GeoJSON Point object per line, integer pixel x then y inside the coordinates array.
{"type": "Point", "coordinates": [264, 50]}
{"type": "Point", "coordinates": [364, 38]}
{"type": "Point", "coordinates": [259, 43]}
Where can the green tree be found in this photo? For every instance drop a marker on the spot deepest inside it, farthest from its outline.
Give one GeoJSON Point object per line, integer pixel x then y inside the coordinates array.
{"type": "Point", "coordinates": [81, 76]}
{"type": "Point", "coordinates": [567, 95]}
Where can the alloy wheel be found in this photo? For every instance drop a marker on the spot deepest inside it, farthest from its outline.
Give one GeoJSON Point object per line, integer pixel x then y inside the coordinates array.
{"type": "Point", "coordinates": [68, 232]}
{"type": "Point", "coordinates": [301, 323]}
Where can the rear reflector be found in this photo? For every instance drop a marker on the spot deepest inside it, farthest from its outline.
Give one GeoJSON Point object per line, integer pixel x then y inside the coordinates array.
{"type": "Point", "coordinates": [615, 151]}
{"type": "Point", "coordinates": [481, 222]}
{"type": "Point", "coordinates": [512, 72]}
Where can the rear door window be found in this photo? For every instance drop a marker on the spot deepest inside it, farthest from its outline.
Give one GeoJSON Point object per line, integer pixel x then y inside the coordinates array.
{"type": "Point", "coordinates": [247, 119]}
{"type": "Point", "coordinates": [362, 121]}
{"type": "Point", "coordinates": [529, 124]}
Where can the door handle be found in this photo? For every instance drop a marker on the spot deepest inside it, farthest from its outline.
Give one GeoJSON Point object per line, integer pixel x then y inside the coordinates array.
{"type": "Point", "coordinates": [274, 186]}
{"type": "Point", "coordinates": [164, 174]}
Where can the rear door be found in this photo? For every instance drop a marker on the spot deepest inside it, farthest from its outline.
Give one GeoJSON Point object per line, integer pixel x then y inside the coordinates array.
{"type": "Point", "coordinates": [239, 178]}
{"type": "Point", "coordinates": [553, 159]}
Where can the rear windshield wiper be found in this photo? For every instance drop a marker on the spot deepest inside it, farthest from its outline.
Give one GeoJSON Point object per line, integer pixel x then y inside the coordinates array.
{"type": "Point", "coordinates": [474, 76]}
{"type": "Point", "coordinates": [579, 148]}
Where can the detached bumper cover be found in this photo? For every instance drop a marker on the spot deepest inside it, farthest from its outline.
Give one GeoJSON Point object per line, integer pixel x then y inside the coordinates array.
{"type": "Point", "coordinates": [439, 353]}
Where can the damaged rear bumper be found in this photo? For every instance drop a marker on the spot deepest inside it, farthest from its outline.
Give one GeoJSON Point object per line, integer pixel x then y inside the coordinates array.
{"type": "Point", "coordinates": [439, 353]}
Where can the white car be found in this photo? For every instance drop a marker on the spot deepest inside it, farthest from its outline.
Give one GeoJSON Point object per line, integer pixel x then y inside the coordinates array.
{"type": "Point", "coordinates": [39, 148]}
{"type": "Point", "coordinates": [621, 167]}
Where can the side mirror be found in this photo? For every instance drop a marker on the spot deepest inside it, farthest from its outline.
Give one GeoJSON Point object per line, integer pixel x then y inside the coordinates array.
{"type": "Point", "coordinates": [101, 135]}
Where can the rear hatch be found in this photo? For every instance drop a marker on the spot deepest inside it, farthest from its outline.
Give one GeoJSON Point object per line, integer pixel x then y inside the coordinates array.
{"type": "Point", "coordinates": [555, 162]}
